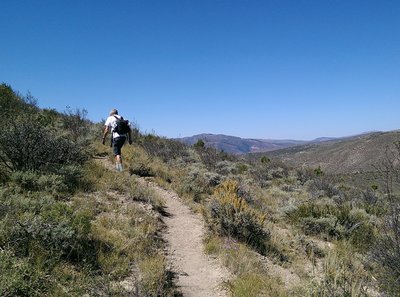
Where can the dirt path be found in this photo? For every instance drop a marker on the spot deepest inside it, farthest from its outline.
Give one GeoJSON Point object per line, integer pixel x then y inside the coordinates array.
{"type": "Point", "coordinates": [197, 274]}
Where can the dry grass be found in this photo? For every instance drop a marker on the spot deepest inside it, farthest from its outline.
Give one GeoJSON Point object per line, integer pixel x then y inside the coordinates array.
{"type": "Point", "coordinates": [251, 277]}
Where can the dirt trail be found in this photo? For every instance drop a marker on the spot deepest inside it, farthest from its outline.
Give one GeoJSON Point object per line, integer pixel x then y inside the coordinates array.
{"type": "Point", "coordinates": [197, 274]}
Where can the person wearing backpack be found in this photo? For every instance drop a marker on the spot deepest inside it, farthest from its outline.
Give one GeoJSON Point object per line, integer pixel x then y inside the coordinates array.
{"type": "Point", "coordinates": [121, 131]}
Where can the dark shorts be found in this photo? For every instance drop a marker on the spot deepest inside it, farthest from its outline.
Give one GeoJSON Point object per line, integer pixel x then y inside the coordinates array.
{"type": "Point", "coordinates": [117, 145]}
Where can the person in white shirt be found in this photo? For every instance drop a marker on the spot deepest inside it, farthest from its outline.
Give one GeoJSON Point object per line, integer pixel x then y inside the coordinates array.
{"type": "Point", "coordinates": [118, 139]}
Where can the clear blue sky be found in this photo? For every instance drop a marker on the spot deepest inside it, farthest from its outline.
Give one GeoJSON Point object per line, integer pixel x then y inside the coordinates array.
{"type": "Point", "coordinates": [257, 69]}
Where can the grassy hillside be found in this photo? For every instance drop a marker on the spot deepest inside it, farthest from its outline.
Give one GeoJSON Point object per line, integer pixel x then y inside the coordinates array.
{"type": "Point", "coordinates": [353, 155]}
{"type": "Point", "coordinates": [66, 228]}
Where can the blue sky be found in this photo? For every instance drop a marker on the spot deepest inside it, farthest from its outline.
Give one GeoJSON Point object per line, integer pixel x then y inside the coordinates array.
{"type": "Point", "coordinates": [256, 69]}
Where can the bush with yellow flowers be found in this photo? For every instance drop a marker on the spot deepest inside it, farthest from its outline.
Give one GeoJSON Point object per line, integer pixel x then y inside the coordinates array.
{"type": "Point", "coordinates": [227, 214]}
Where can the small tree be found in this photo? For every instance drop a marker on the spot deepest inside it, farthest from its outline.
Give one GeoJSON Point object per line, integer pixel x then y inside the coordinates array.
{"type": "Point", "coordinates": [75, 122]}
{"type": "Point", "coordinates": [199, 144]}
{"type": "Point", "coordinates": [318, 171]}
{"type": "Point", "coordinates": [265, 160]}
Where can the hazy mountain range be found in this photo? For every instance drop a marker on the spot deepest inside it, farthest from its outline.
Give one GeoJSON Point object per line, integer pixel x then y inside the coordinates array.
{"type": "Point", "coordinates": [351, 154]}
{"type": "Point", "coordinates": [237, 145]}
{"type": "Point", "coordinates": [347, 155]}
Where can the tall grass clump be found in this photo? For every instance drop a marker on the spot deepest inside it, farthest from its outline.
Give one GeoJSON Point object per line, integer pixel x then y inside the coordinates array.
{"type": "Point", "coordinates": [251, 278]}
{"type": "Point", "coordinates": [344, 274]}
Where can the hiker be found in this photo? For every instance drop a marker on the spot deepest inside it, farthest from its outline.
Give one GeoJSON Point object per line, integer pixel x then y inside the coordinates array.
{"type": "Point", "coordinates": [121, 130]}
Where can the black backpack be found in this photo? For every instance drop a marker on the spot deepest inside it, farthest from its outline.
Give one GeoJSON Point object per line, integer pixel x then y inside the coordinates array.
{"type": "Point", "coordinates": [122, 126]}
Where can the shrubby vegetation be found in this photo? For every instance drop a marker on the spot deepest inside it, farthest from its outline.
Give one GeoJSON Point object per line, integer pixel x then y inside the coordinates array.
{"type": "Point", "coordinates": [65, 229]}
{"type": "Point", "coordinates": [296, 217]}
{"type": "Point", "coordinates": [61, 234]}
{"type": "Point", "coordinates": [234, 194]}
{"type": "Point", "coordinates": [229, 215]}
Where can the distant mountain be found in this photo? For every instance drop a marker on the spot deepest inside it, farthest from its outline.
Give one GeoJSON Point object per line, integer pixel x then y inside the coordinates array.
{"type": "Point", "coordinates": [237, 145]}
{"type": "Point", "coordinates": [343, 155]}
{"type": "Point", "coordinates": [322, 139]}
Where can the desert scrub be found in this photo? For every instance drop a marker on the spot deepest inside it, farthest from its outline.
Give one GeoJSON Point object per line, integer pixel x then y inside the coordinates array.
{"type": "Point", "coordinates": [38, 221]}
{"type": "Point", "coordinates": [229, 215]}
{"type": "Point", "coordinates": [323, 186]}
{"type": "Point", "coordinates": [251, 276]}
{"type": "Point", "coordinates": [226, 167]}
{"type": "Point", "coordinates": [27, 145]}
{"type": "Point", "coordinates": [163, 148]}
{"type": "Point", "coordinates": [335, 221]}
{"type": "Point", "coordinates": [343, 274]}
{"type": "Point", "coordinates": [210, 156]}
{"type": "Point", "coordinates": [38, 235]}
{"type": "Point", "coordinates": [263, 173]}
{"type": "Point", "coordinates": [198, 183]}
{"type": "Point", "coordinates": [66, 181]}
{"type": "Point", "coordinates": [19, 277]}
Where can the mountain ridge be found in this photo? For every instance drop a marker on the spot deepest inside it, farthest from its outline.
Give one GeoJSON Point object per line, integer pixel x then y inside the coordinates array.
{"type": "Point", "coordinates": [346, 155]}
{"type": "Point", "coordinates": [238, 145]}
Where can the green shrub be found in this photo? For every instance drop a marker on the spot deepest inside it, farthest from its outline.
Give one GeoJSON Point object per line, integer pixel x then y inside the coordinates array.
{"type": "Point", "coordinates": [19, 277]}
{"type": "Point", "coordinates": [166, 149]}
{"type": "Point", "coordinates": [198, 182]}
{"type": "Point", "coordinates": [336, 221]}
{"type": "Point", "coordinates": [265, 172]}
{"type": "Point", "coordinates": [76, 124]}
{"type": "Point", "coordinates": [141, 170]}
{"type": "Point", "coordinates": [361, 228]}
{"type": "Point", "coordinates": [323, 186]}
{"type": "Point", "coordinates": [210, 156]}
{"type": "Point", "coordinates": [265, 160]}
{"type": "Point", "coordinates": [13, 103]}
{"type": "Point", "coordinates": [226, 167]}
{"type": "Point", "coordinates": [241, 168]}
{"type": "Point", "coordinates": [65, 179]}
{"type": "Point", "coordinates": [72, 176]}
{"type": "Point", "coordinates": [324, 225]}
{"type": "Point", "coordinates": [304, 175]}
{"type": "Point", "coordinates": [32, 181]}
{"type": "Point", "coordinates": [26, 145]}
{"type": "Point", "coordinates": [39, 223]}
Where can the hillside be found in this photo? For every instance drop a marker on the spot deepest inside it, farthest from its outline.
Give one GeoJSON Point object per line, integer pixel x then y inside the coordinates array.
{"type": "Point", "coordinates": [349, 155]}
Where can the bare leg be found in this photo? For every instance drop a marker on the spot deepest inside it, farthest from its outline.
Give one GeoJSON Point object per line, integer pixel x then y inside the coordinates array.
{"type": "Point", "coordinates": [118, 162]}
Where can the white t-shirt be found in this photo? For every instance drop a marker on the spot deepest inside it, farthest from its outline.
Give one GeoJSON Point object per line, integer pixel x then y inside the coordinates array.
{"type": "Point", "coordinates": [112, 123]}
